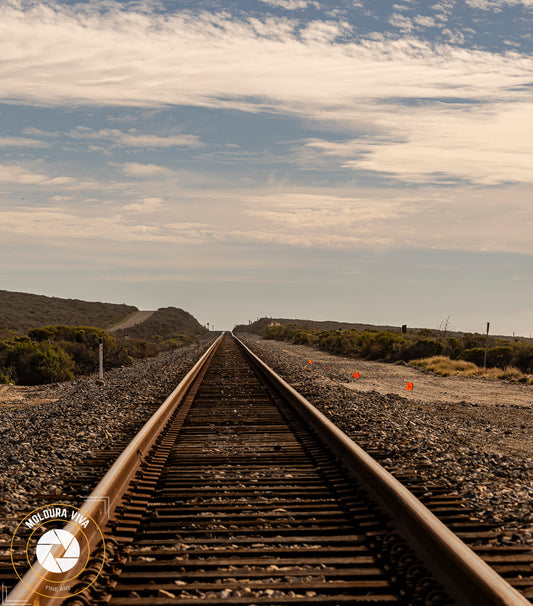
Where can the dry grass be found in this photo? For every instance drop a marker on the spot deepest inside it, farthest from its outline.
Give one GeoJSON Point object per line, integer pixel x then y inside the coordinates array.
{"type": "Point", "coordinates": [447, 368]}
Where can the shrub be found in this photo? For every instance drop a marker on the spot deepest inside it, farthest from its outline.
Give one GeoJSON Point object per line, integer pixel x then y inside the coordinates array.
{"type": "Point", "coordinates": [54, 365]}
{"type": "Point", "coordinates": [378, 345]}
{"type": "Point", "coordinates": [30, 363]}
{"type": "Point", "coordinates": [500, 356]}
{"type": "Point", "coordinates": [475, 355]}
{"type": "Point", "coordinates": [452, 348]}
{"type": "Point", "coordinates": [422, 348]}
{"type": "Point", "coordinates": [82, 343]}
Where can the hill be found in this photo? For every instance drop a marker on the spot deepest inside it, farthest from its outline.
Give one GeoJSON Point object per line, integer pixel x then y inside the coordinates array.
{"type": "Point", "coordinates": [21, 311]}
{"type": "Point", "coordinates": [260, 326]}
{"type": "Point", "coordinates": [165, 322]}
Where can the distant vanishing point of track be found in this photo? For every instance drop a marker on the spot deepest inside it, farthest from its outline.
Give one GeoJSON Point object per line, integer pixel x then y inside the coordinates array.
{"type": "Point", "coordinates": [238, 491]}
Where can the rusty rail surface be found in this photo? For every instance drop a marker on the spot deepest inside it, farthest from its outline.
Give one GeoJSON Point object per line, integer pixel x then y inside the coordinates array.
{"type": "Point", "coordinates": [238, 491]}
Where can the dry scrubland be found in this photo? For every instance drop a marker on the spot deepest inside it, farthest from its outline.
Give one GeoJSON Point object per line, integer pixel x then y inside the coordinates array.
{"type": "Point", "coordinates": [437, 351]}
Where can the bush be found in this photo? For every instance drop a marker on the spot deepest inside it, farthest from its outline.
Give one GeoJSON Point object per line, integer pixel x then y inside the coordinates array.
{"type": "Point", "coordinates": [54, 365]}
{"type": "Point", "coordinates": [500, 357]}
{"type": "Point", "coordinates": [476, 355]}
{"type": "Point", "coordinates": [82, 344]}
{"type": "Point", "coordinates": [423, 348]}
{"type": "Point", "coordinates": [379, 345]}
{"type": "Point", "coordinates": [28, 363]}
{"type": "Point", "coordinates": [54, 353]}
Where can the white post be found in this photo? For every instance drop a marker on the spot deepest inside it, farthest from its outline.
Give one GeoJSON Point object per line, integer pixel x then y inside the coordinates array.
{"type": "Point", "coordinates": [101, 358]}
{"type": "Point", "coordinates": [486, 345]}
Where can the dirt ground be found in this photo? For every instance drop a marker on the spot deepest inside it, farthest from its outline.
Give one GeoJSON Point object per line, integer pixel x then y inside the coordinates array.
{"type": "Point", "coordinates": [427, 387]}
{"type": "Point", "coordinates": [18, 396]}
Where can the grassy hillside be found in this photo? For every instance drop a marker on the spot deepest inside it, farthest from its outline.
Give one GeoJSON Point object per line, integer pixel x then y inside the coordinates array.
{"type": "Point", "coordinates": [166, 323]}
{"type": "Point", "coordinates": [22, 311]}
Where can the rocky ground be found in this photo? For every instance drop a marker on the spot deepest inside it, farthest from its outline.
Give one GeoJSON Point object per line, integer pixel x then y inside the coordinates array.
{"type": "Point", "coordinates": [473, 435]}
{"type": "Point", "coordinates": [46, 430]}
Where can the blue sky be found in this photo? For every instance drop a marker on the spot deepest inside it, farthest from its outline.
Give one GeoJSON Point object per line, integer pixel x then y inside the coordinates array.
{"type": "Point", "coordinates": [351, 160]}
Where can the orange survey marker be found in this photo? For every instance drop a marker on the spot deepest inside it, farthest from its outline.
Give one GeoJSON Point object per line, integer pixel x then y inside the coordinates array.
{"type": "Point", "coordinates": [409, 386]}
{"type": "Point", "coordinates": [355, 375]}
{"type": "Point", "coordinates": [310, 361]}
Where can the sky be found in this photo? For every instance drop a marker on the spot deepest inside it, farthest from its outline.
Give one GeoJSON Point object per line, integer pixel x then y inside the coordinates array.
{"type": "Point", "coordinates": [352, 160]}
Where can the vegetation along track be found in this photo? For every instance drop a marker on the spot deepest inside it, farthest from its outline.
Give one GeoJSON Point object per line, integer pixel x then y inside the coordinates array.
{"type": "Point", "coordinates": [238, 491]}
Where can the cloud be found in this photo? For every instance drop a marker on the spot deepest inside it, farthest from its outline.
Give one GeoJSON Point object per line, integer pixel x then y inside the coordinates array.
{"type": "Point", "coordinates": [405, 24]}
{"type": "Point", "coordinates": [425, 21]}
{"type": "Point", "coordinates": [350, 218]}
{"type": "Point", "coordinates": [21, 142]}
{"type": "Point", "coordinates": [146, 171]}
{"type": "Point", "coordinates": [20, 175]}
{"type": "Point", "coordinates": [291, 5]}
{"type": "Point", "coordinates": [497, 5]}
{"type": "Point", "coordinates": [146, 206]}
{"type": "Point", "coordinates": [463, 218]}
{"type": "Point", "coordinates": [318, 71]}
{"type": "Point", "coordinates": [54, 55]}
{"type": "Point", "coordinates": [25, 175]}
{"type": "Point", "coordinates": [60, 226]}
{"type": "Point", "coordinates": [133, 138]}
{"type": "Point", "coordinates": [485, 145]}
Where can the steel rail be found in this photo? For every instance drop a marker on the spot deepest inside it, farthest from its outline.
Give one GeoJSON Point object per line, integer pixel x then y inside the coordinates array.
{"type": "Point", "coordinates": [107, 495]}
{"type": "Point", "coordinates": [464, 574]}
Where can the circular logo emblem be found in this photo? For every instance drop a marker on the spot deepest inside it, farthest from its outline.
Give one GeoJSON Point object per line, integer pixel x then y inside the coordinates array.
{"type": "Point", "coordinates": [53, 545]}
{"type": "Point", "coordinates": [58, 550]}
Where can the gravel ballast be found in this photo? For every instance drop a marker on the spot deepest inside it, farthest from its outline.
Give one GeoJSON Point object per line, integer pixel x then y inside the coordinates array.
{"type": "Point", "coordinates": [46, 431]}
{"type": "Point", "coordinates": [480, 451]}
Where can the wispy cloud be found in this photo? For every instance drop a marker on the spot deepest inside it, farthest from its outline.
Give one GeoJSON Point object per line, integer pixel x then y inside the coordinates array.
{"type": "Point", "coordinates": [108, 136]}
{"type": "Point", "coordinates": [133, 138]}
{"type": "Point", "coordinates": [146, 206]}
{"type": "Point", "coordinates": [291, 5]}
{"type": "Point", "coordinates": [62, 226]}
{"type": "Point", "coordinates": [497, 5]}
{"type": "Point", "coordinates": [214, 60]}
{"type": "Point", "coordinates": [146, 171]}
{"type": "Point", "coordinates": [488, 145]}
{"type": "Point", "coordinates": [460, 218]}
{"type": "Point", "coordinates": [21, 175]}
{"type": "Point", "coordinates": [21, 142]}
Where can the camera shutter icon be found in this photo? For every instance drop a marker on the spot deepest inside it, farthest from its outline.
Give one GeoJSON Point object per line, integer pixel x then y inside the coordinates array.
{"type": "Point", "coordinates": [58, 550]}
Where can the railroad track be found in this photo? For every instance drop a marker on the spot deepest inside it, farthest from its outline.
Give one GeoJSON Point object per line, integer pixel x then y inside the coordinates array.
{"type": "Point", "coordinates": [237, 491]}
